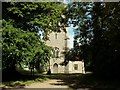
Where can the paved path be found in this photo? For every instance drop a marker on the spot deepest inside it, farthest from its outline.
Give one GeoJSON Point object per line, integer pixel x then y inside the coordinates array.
{"type": "Point", "coordinates": [52, 83]}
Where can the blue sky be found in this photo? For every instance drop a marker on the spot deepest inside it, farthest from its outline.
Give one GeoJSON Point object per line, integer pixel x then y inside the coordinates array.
{"type": "Point", "coordinates": [71, 35]}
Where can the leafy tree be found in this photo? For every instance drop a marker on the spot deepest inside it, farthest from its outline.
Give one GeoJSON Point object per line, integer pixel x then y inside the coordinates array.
{"type": "Point", "coordinates": [19, 47]}
{"type": "Point", "coordinates": [80, 16]}
{"type": "Point", "coordinates": [22, 22]}
{"type": "Point", "coordinates": [99, 27]}
{"type": "Point", "coordinates": [34, 17]}
{"type": "Point", "coordinates": [106, 42]}
{"type": "Point", "coordinates": [72, 55]}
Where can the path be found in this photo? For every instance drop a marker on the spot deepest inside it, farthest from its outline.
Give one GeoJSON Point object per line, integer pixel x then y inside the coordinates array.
{"type": "Point", "coordinates": [59, 81]}
{"type": "Point", "coordinates": [73, 82]}
{"type": "Point", "coordinates": [53, 83]}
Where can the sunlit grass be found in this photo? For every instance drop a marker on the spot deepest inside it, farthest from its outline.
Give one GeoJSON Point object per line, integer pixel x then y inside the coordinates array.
{"type": "Point", "coordinates": [22, 83]}
{"type": "Point", "coordinates": [25, 78]}
{"type": "Point", "coordinates": [87, 80]}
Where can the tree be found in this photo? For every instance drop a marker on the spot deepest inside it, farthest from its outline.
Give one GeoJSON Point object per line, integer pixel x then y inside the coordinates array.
{"type": "Point", "coordinates": [99, 27]}
{"type": "Point", "coordinates": [21, 25]}
{"type": "Point", "coordinates": [80, 16]}
{"type": "Point", "coordinates": [19, 47]}
{"type": "Point", "coordinates": [105, 42]}
{"type": "Point", "coordinates": [34, 17]}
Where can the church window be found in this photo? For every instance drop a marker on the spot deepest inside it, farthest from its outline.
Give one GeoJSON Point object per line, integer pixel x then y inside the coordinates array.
{"type": "Point", "coordinates": [56, 52]}
{"type": "Point", "coordinates": [75, 66]}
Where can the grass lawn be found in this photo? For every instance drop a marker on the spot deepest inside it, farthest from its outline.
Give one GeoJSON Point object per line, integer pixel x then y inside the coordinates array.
{"type": "Point", "coordinates": [22, 79]}
{"type": "Point", "coordinates": [87, 80]}
{"type": "Point", "coordinates": [74, 81]}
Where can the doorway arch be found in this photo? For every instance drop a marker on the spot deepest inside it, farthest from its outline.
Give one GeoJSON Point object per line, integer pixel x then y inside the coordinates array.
{"type": "Point", "coordinates": [55, 68]}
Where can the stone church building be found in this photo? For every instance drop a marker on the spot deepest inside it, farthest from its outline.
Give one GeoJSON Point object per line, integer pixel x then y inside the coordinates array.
{"type": "Point", "coordinates": [59, 41]}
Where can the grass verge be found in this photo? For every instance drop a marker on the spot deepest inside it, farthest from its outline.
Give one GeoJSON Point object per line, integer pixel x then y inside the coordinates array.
{"type": "Point", "coordinates": [22, 79]}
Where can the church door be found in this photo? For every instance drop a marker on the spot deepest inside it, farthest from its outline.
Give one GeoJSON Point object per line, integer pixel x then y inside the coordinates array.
{"type": "Point", "coordinates": [55, 68]}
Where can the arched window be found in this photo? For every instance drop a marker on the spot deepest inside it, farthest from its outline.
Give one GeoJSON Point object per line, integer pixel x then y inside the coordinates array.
{"type": "Point", "coordinates": [56, 52]}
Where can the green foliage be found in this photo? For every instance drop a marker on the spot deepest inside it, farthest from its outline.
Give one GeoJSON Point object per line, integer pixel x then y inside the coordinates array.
{"type": "Point", "coordinates": [19, 47]}
{"type": "Point", "coordinates": [31, 16]}
{"type": "Point", "coordinates": [73, 54]}
{"type": "Point", "coordinates": [18, 84]}
{"type": "Point", "coordinates": [99, 27]}
{"type": "Point", "coordinates": [22, 22]}
{"type": "Point", "coordinates": [106, 38]}
{"type": "Point", "coordinates": [80, 16]}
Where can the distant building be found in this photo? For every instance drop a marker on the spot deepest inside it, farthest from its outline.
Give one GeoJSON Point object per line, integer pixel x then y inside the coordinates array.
{"type": "Point", "coordinates": [60, 42]}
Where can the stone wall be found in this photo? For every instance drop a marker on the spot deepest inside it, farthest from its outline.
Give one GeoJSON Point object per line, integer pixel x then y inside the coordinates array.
{"type": "Point", "coordinates": [59, 40]}
{"type": "Point", "coordinates": [79, 68]}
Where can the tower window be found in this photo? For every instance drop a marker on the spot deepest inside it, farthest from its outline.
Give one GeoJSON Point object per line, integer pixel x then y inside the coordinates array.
{"type": "Point", "coordinates": [56, 52]}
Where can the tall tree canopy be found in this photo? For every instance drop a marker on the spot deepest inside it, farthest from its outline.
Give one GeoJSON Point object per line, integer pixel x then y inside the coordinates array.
{"type": "Point", "coordinates": [34, 16]}
{"type": "Point", "coordinates": [22, 22]}
{"type": "Point", "coordinates": [99, 26]}
{"type": "Point", "coordinates": [21, 47]}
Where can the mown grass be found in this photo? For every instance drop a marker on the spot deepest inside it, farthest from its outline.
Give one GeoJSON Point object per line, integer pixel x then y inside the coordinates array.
{"type": "Point", "coordinates": [74, 81]}
{"type": "Point", "coordinates": [22, 78]}
{"type": "Point", "coordinates": [87, 80]}
{"type": "Point", "coordinates": [21, 83]}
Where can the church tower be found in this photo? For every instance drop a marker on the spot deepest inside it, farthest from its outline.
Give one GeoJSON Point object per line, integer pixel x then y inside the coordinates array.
{"type": "Point", "coordinates": [59, 41]}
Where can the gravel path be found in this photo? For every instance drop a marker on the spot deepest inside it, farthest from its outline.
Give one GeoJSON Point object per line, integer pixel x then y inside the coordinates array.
{"type": "Point", "coordinates": [52, 83]}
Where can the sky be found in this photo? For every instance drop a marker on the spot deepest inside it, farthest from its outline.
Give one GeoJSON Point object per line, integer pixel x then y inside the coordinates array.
{"type": "Point", "coordinates": [71, 35]}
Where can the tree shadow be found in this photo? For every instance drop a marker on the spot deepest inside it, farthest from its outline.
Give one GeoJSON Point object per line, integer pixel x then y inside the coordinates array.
{"type": "Point", "coordinates": [74, 81]}
{"type": "Point", "coordinates": [16, 79]}
{"type": "Point", "coordinates": [84, 81]}
{"type": "Point", "coordinates": [17, 76]}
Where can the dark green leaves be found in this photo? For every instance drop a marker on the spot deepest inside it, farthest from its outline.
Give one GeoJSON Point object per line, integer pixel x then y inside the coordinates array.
{"type": "Point", "coordinates": [19, 47]}
{"type": "Point", "coordinates": [28, 15]}
{"type": "Point", "coordinates": [22, 22]}
{"type": "Point", "coordinates": [99, 27]}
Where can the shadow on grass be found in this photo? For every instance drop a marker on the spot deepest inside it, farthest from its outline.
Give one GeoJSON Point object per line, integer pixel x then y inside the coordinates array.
{"type": "Point", "coordinates": [86, 81]}
{"type": "Point", "coordinates": [18, 79]}
{"type": "Point", "coordinates": [75, 81]}
{"type": "Point", "coordinates": [22, 75]}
